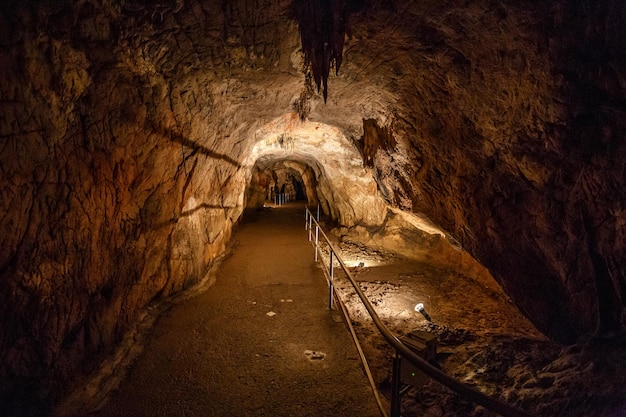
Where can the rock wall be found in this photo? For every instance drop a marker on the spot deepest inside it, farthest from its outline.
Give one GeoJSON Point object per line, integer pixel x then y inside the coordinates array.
{"type": "Point", "coordinates": [510, 126]}
{"type": "Point", "coordinates": [129, 132]}
{"type": "Point", "coordinates": [118, 187]}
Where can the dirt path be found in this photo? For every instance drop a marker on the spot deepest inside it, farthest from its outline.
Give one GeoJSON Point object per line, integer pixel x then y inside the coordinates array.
{"type": "Point", "coordinates": [260, 342]}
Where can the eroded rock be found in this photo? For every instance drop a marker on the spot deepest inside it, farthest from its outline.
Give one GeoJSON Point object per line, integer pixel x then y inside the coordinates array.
{"type": "Point", "coordinates": [129, 134]}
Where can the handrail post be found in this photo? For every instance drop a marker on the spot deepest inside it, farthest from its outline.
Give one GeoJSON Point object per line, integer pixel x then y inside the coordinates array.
{"type": "Point", "coordinates": [310, 226]}
{"type": "Point", "coordinates": [395, 386]}
{"type": "Point", "coordinates": [317, 238]}
{"type": "Point", "coordinates": [318, 212]}
{"type": "Point", "coordinates": [306, 218]}
{"type": "Point", "coordinates": [331, 271]}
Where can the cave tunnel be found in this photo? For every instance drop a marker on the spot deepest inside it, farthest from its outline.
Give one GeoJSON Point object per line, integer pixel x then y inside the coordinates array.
{"type": "Point", "coordinates": [134, 135]}
{"type": "Point", "coordinates": [288, 177]}
{"type": "Point", "coordinates": [320, 157]}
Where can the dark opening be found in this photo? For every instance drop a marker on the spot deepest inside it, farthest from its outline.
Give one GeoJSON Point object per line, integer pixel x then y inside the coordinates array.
{"type": "Point", "coordinates": [298, 187]}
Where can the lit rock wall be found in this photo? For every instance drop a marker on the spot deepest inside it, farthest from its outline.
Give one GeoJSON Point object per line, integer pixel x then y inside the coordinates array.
{"type": "Point", "coordinates": [510, 125]}
{"type": "Point", "coordinates": [345, 186]}
{"type": "Point", "coordinates": [119, 185]}
{"type": "Point", "coordinates": [128, 134]}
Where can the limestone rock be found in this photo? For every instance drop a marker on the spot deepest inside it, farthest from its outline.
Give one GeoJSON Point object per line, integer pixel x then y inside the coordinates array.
{"type": "Point", "coordinates": [133, 135]}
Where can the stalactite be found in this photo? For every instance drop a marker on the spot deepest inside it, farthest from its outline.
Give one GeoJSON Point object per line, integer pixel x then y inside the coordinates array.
{"type": "Point", "coordinates": [322, 31]}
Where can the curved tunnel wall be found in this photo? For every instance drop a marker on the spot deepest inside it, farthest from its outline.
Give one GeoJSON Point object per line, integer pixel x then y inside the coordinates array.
{"type": "Point", "coordinates": [269, 176]}
{"type": "Point", "coordinates": [125, 131]}
{"type": "Point", "coordinates": [345, 187]}
{"type": "Point", "coordinates": [511, 119]}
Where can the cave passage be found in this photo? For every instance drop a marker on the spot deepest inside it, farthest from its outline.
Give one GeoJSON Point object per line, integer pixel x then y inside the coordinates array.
{"type": "Point", "coordinates": [271, 178]}
{"type": "Point", "coordinates": [462, 144]}
{"type": "Point", "coordinates": [299, 188]}
{"type": "Point", "coordinates": [260, 341]}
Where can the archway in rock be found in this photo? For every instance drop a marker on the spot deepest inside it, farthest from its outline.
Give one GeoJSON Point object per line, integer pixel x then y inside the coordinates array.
{"type": "Point", "coordinates": [336, 175]}
{"type": "Point", "coordinates": [270, 177]}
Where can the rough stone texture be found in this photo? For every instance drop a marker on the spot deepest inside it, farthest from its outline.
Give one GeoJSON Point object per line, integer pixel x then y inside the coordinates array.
{"type": "Point", "coordinates": [512, 120]}
{"type": "Point", "coordinates": [129, 132]}
{"type": "Point", "coordinates": [270, 176]}
{"type": "Point", "coordinates": [345, 187]}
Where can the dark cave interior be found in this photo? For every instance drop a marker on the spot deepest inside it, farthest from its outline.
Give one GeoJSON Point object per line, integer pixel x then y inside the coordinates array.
{"type": "Point", "coordinates": [125, 125]}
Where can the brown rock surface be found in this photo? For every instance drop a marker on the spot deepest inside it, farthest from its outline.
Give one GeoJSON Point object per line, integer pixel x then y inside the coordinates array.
{"type": "Point", "coordinates": [129, 133]}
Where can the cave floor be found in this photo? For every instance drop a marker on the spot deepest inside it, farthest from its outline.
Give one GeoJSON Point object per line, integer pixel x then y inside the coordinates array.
{"type": "Point", "coordinates": [260, 341]}
{"type": "Point", "coordinates": [483, 341]}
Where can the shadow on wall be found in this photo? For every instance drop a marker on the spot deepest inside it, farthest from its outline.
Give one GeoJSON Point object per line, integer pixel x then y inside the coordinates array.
{"type": "Point", "coordinates": [177, 137]}
{"type": "Point", "coordinates": [191, 212]}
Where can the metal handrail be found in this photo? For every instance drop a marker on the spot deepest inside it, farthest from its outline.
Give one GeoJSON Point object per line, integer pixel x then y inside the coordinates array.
{"type": "Point", "coordinates": [281, 199]}
{"type": "Point", "coordinates": [464, 390]}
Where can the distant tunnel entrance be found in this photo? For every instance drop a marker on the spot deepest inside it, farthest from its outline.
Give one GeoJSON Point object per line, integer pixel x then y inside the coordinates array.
{"type": "Point", "coordinates": [271, 177]}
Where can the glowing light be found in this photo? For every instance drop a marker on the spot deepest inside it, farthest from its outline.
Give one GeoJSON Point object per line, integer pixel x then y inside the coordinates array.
{"type": "Point", "coordinates": [419, 307]}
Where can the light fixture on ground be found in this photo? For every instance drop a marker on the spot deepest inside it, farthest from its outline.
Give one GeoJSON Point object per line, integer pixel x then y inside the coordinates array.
{"type": "Point", "coordinates": [419, 307]}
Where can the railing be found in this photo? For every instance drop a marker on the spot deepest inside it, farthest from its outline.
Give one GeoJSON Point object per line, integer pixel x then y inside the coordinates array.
{"type": "Point", "coordinates": [280, 199]}
{"type": "Point", "coordinates": [402, 351]}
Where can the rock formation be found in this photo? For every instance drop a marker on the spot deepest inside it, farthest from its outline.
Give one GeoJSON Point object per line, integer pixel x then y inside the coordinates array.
{"type": "Point", "coordinates": [134, 134]}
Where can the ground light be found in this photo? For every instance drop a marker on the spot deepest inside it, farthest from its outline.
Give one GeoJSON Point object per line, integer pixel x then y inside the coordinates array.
{"type": "Point", "coordinates": [419, 307]}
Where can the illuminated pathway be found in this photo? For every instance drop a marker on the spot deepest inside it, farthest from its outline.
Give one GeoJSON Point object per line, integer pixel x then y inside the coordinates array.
{"type": "Point", "coordinates": [260, 342]}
